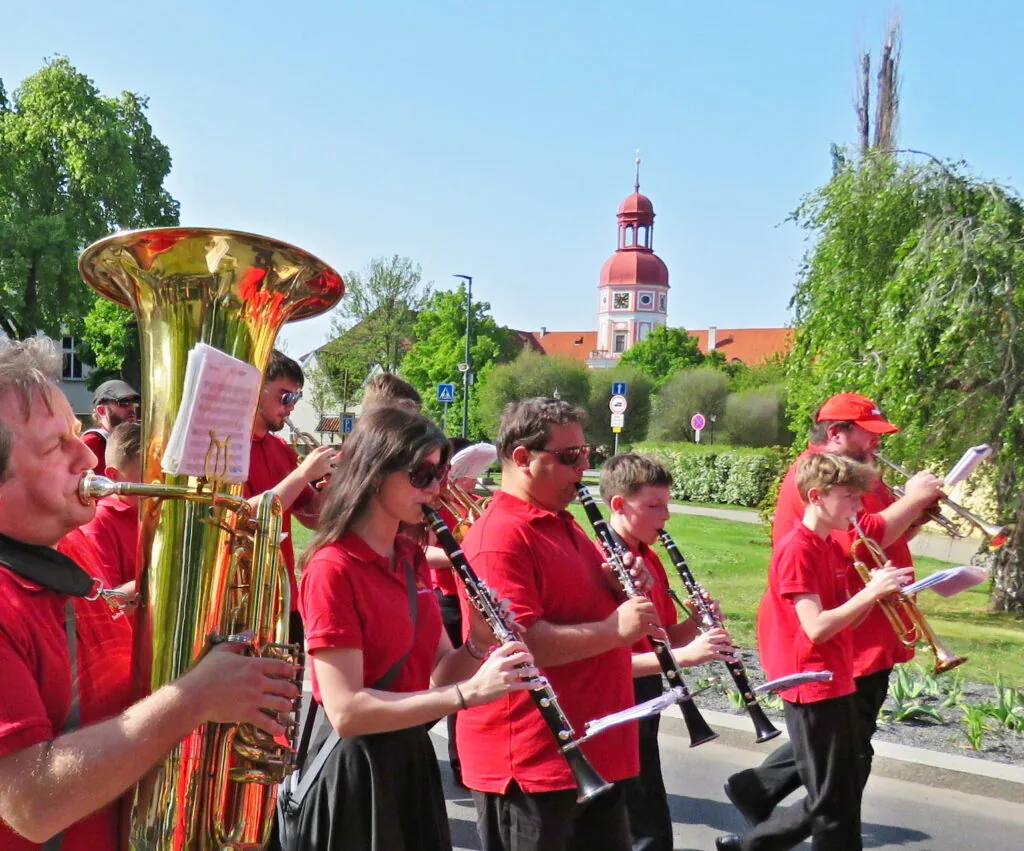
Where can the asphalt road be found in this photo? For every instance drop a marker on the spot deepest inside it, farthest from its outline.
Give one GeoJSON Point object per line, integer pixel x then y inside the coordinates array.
{"type": "Point", "coordinates": [898, 814]}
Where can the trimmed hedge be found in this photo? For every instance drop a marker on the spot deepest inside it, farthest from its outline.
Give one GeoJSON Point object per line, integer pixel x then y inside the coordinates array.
{"type": "Point", "coordinates": [725, 474]}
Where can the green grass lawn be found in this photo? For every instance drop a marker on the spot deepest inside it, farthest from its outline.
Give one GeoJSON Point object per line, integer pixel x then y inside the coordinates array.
{"type": "Point", "coordinates": [730, 559]}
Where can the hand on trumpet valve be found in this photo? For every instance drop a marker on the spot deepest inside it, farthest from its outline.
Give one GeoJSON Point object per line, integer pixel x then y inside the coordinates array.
{"type": "Point", "coordinates": [888, 580]}
{"type": "Point", "coordinates": [923, 489]}
{"type": "Point", "coordinates": [319, 464]}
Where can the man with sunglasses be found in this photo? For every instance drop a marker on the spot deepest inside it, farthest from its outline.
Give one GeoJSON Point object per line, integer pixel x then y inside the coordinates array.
{"type": "Point", "coordinates": [273, 464]}
{"type": "Point", "coordinates": [113, 402]}
{"type": "Point", "coordinates": [529, 549]}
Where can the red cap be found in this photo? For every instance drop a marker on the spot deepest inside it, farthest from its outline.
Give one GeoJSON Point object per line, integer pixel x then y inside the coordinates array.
{"type": "Point", "coordinates": [852, 407]}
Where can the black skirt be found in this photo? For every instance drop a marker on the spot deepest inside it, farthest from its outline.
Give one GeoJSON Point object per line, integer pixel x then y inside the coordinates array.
{"type": "Point", "coordinates": [379, 792]}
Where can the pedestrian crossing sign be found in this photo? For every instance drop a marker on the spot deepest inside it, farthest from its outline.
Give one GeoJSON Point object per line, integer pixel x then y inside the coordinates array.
{"type": "Point", "coordinates": [445, 393]}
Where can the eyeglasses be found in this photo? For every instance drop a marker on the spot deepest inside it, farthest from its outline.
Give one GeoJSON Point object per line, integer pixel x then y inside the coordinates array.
{"type": "Point", "coordinates": [289, 397]}
{"type": "Point", "coordinates": [122, 403]}
{"type": "Point", "coordinates": [426, 473]}
{"type": "Point", "coordinates": [568, 455]}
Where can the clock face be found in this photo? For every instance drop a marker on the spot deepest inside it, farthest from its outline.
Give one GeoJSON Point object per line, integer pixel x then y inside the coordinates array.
{"type": "Point", "coordinates": [620, 301]}
{"type": "Point", "coordinates": [646, 301]}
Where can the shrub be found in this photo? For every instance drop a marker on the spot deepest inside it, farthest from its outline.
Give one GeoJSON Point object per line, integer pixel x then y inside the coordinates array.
{"type": "Point", "coordinates": [688, 392]}
{"type": "Point", "coordinates": [757, 417]}
{"type": "Point", "coordinates": [726, 474]}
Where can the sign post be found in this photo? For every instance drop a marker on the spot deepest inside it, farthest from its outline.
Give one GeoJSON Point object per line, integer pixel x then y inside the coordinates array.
{"type": "Point", "coordinates": [618, 405]}
{"type": "Point", "coordinates": [348, 422]}
{"type": "Point", "coordinates": [697, 423]}
{"type": "Point", "coordinates": [445, 395]}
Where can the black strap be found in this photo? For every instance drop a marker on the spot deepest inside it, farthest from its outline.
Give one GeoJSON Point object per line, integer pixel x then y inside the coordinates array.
{"type": "Point", "coordinates": [45, 566]}
{"type": "Point", "coordinates": [73, 720]}
{"type": "Point", "coordinates": [305, 777]}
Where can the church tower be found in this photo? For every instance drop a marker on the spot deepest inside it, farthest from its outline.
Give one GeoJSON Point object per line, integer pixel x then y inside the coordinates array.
{"type": "Point", "coordinates": [633, 289]}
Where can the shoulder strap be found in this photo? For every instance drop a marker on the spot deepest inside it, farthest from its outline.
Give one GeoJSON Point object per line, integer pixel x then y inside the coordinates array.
{"type": "Point", "coordinates": [73, 720]}
{"type": "Point", "coordinates": [306, 776]}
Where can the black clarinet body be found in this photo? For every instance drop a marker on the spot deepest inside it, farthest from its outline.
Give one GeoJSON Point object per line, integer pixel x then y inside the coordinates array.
{"type": "Point", "coordinates": [589, 783]}
{"type": "Point", "coordinates": [766, 731]}
{"type": "Point", "coordinates": [698, 729]}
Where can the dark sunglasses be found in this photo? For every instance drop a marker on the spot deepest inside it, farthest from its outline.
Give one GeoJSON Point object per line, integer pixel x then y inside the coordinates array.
{"type": "Point", "coordinates": [569, 455]}
{"type": "Point", "coordinates": [423, 474]}
{"type": "Point", "coordinates": [290, 398]}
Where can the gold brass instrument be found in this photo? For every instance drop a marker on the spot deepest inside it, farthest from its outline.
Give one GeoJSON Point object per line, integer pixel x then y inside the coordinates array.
{"type": "Point", "coordinates": [907, 620]}
{"type": "Point", "coordinates": [470, 462]}
{"type": "Point", "coordinates": [301, 438]}
{"type": "Point", "coordinates": [209, 565]}
{"type": "Point", "coordinates": [995, 536]}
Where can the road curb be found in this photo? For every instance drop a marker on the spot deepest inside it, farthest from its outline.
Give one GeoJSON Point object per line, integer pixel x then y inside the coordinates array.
{"type": "Point", "coordinates": [899, 762]}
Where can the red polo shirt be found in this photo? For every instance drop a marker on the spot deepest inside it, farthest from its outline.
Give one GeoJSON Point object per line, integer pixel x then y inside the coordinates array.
{"type": "Point", "coordinates": [666, 608]}
{"type": "Point", "coordinates": [803, 563]}
{"type": "Point", "coordinates": [875, 645]}
{"type": "Point", "coordinates": [352, 597]}
{"type": "Point", "coordinates": [114, 535]}
{"type": "Point", "coordinates": [548, 569]}
{"type": "Point", "coordinates": [270, 460]}
{"type": "Point", "coordinates": [96, 440]}
{"type": "Point", "coordinates": [36, 692]}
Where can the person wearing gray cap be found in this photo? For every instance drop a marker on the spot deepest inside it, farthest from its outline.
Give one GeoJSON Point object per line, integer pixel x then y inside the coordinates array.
{"type": "Point", "coordinates": [113, 402]}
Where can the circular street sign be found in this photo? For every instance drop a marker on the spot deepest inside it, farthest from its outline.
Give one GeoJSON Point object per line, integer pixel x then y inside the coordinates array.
{"type": "Point", "coordinates": [463, 367]}
{"type": "Point", "coordinates": [618, 404]}
{"type": "Point", "coordinates": [697, 422]}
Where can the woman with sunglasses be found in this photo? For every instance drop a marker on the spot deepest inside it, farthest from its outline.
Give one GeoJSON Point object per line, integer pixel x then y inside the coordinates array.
{"type": "Point", "coordinates": [382, 664]}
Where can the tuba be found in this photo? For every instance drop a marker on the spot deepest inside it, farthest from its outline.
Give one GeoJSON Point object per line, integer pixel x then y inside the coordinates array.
{"type": "Point", "coordinates": [209, 563]}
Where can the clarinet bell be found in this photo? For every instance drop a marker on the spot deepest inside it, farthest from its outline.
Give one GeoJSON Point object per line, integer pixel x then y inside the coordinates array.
{"type": "Point", "coordinates": [696, 726]}
{"type": "Point", "coordinates": [589, 784]}
{"type": "Point", "coordinates": [766, 731]}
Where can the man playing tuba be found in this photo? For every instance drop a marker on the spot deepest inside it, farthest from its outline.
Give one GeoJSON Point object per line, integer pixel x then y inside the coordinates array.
{"type": "Point", "coordinates": [71, 740]}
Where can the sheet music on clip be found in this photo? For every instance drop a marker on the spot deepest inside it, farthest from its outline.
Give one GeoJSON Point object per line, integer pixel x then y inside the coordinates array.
{"type": "Point", "coordinates": [950, 580]}
{"type": "Point", "coordinates": [219, 396]}
{"type": "Point", "coordinates": [635, 713]}
{"type": "Point", "coordinates": [965, 466]}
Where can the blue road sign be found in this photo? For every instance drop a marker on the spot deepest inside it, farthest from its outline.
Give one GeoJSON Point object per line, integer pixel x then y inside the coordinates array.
{"type": "Point", "coordinates": [618, 388]}
{"type": "Point", "coordinates": [445, 392]}
{"type": "Point", "coordinates": [348, 422]}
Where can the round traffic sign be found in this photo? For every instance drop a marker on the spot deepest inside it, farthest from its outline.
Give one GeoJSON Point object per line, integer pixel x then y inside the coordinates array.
{"type": "Point", "coordinates": [618, 404]}
{"type": "Point", "coordinates": [697, 422]}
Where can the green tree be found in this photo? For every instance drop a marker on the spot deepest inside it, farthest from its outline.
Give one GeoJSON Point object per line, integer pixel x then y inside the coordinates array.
{"type": "Point", "coordinates": [912, 295]}
{"type": "Point", "coordinates": [757, 417]}
{"type": "Point", "coordinates": [639, 394]}
{"type": "Point", "coordinates": [690, 391]}
{"type": "Point", "coordinates": [663, 352]}
{"type": "Point", "coordinates": [440, 334]}
{"type": "Point", "coordinates": [74, 166]}
{"type": "Point", "coordinates": [531, 374]}
{"type": "Point", "coordinates": [374, 322]}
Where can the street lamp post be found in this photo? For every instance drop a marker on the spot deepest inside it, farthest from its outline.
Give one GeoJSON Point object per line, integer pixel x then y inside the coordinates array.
{"type": "Point", "coordinates": [467, 372]}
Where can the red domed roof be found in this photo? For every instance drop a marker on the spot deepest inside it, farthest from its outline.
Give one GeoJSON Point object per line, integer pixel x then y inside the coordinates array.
{"type": "Point", "coordinates": [634, 266]}
{"type": "Point", "coordinates": [637, 204]}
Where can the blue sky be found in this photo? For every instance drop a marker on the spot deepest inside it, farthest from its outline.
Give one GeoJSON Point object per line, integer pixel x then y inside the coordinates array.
{"type": "Point", "coordinates": [496, 139]}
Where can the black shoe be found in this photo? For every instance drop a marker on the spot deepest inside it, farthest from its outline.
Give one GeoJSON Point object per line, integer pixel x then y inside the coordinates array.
{"type": "Point", "coordinates": [728, 842]}
{"type": "Point", "coordinates": [753, 814]}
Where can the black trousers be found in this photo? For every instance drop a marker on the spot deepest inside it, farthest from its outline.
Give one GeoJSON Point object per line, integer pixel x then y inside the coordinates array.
{"type": "Point", "coordinates": [650, 820]}
{"type": "Point", "coordinates": [762, 788]}
{"type": "Point", "coordinates": [451, 617]}
{"type": "Point", "coordinates": [826, 747]}
{"type": "Point", "coordinates": [551, 821]}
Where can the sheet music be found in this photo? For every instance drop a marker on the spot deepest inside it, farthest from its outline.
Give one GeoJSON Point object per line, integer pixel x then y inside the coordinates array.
{"type": "Point", "coordinates": [965, 466]}
{"type": "Point", "coordinates": [793, 680]}
{"type": "Point", "coordinates": [634, 713]}
{"type": "Point", "coordinates": [219, 396]}
{"type": "Point", "coordinates": [950, 581]}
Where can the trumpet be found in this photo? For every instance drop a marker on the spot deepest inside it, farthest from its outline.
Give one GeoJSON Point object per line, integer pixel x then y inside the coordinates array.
{"type": "Point", "coordinates": [301, 438]}
{"type": "Point", "coordinates": [995, 536]}
{"type": "Point", "coordinates": [907, 620]}
{"type": "Point", "coordinates": [470, 462]}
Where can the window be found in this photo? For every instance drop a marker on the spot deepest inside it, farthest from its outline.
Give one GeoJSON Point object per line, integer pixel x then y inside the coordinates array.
{"type": "Point", "coordinates": [620, 301]}
{"type": "Point", "coordinates": [72, 369]}
{"type": "Point", "coordinates": [662, 302]}
{"type": "Point", "coordinates": [646, 301]}
{"type": "Point", "coordinates": [620, 343]}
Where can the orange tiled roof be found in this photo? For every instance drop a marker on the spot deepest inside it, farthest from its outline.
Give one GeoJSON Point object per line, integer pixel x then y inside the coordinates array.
{"type": "Point", "coordinates": [569, 344]}
{"type": "Point", "coordinates": [750, 345]}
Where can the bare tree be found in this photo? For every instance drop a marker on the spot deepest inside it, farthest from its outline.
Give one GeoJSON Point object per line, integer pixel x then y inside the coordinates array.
{"type": "Point", "coordinates": [887, 94]}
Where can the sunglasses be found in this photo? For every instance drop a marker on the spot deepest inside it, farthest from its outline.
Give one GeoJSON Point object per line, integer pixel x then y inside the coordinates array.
{"type": "Point", "coordinates": [569, 455]}
{"type": "Point", "coordinates": [425, 473]}
{"type": "Point", "coordinates": [290, 398]}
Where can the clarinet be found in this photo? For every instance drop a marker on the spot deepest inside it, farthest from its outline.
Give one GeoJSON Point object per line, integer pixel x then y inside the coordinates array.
{"type": "Point", "coordinates": [589, 783]}
{"type": "Point", "coordinates": [696, 726]}
{"type": "Point", "coordinates": [709, 620]}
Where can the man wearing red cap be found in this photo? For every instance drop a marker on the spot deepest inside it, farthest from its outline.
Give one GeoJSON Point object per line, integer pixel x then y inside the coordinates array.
{"type": "Point", "coordinates": [852, 425]}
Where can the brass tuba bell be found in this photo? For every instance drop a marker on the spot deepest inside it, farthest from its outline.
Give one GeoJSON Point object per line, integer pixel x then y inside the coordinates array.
{"type": "Point", "coordinates": [209, 565]}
